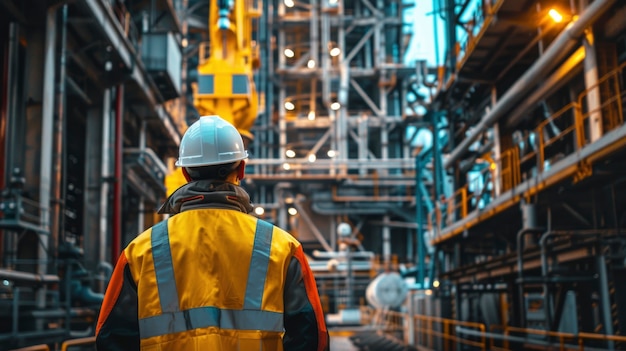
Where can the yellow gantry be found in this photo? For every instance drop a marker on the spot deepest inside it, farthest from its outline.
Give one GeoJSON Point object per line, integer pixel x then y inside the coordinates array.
{"type": "Point", "coordinates": [226, 70]}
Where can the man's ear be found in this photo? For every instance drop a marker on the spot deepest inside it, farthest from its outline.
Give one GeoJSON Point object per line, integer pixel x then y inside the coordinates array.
{"type": "Point", "coordinates": [241, 170]}
{"type": "Point", "coordinates": [186, 175]}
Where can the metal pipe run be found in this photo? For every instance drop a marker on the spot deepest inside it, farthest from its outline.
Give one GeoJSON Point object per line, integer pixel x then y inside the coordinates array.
{"type": "Point", "coordinates": [562, 46]}
{"type": "Point", "coordinates": [116, 240]}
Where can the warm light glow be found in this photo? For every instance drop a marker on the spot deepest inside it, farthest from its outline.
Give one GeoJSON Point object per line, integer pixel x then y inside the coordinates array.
{"type": "Point", "coordinates": [290, 153]}
{"type": "Point", "coordinates": [331, 153]}
{"type": "Point", "coordinates": [184, 42]}
{"type": "Point", "coordinates": [335, 106]}
{"type": "Point", "coordinates": [289, 53]}
{"type": "Point", "coordinates": [289, 3]}
{"type": "Point", "coordinates": [555, 15]}
{"type": "Point", "coordinates": [335, 52]}
{"type": "Point", "coordinates": [428, 292]}
{"type": "Point", "coordinates": [290, 106]}
{"type": "Point", "coordinates": [292, 211]}
{"type": "Point", "coordinates": [311, 64]}
{"type": "Point", "coordinates": [286, 166]}
{"type": "Point", "coordinates": [312, 158]}
{"type": "Point", "coordinates": [492, 166]}
{"type": "Point", "coordinates": [436, 284]}
{"type": "Point", "coordinates": [259, 211]}
{"type": "Point", "coordinates": [311, 115]}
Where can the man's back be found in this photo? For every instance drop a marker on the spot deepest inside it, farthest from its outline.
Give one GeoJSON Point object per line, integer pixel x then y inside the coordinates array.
{"type": "Point", "coordinates": [216, 278]}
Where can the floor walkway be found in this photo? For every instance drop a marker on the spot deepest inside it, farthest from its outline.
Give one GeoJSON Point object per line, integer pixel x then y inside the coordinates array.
{"type": "Point", "coordinates": [341, 343]}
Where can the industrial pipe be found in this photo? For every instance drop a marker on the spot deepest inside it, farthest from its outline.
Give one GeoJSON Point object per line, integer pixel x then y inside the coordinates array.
{"type": "Point", "coordinates": [117, 184]}
{"type": "Point", "coordinates": [561, 46]}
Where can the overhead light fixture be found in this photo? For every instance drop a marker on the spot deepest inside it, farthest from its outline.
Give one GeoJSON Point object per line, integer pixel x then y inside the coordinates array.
{"type": "Point", "coordinates": [555, 15]}
{"type": "Point", "coordinates": [311, 115]}
{"type": "Point", "coordinates": [259, 211]}
{"type": "Point", "coordinates": [290, 106]}
{"type": "Point", "coordinates": [312, 158]}
{"type": "Point", "coordinates": [311, 64]}
{"type": "Point", "coordinates": [292, 211]}
{"type": "Point", "coordinates": [286, 166]}
{"type": "Point", "coordinates": [334, 52]}
{"type": "Point", "coordinates": [290, 3]}
{"type": "Point", "coordinates": [289, 53]}
{"type": "Point", "coordinates": [335, 106]}
{"type": "Point", "coordinates": [331, 153]}
{"type": "Point", "coordinates": [290, 153]}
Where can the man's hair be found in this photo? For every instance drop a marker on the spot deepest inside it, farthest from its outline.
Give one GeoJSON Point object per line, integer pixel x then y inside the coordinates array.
{"type": "Point", "coordinates": [217, 172]}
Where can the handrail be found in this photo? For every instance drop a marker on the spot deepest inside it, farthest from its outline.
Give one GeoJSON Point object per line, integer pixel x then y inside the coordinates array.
{"type": "Point", "coordinates": [76, 342]}
{"type": "Point", "coordinates": [34, 348]}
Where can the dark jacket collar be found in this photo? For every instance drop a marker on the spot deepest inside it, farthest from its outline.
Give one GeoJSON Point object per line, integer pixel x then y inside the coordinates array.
{"type": "Point", "coordinates": [207, 194]}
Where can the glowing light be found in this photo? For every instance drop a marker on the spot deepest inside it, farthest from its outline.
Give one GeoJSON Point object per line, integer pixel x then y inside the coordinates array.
{"type": "Point", "coordinates": [290, 3]}
{"type": "Point", "coordinates": [334, 52]}
{"type": "Point", "coordinates": [311, 115]}
{"type": "Point", "coordinates": [259, 211]}
{"type": "Point", "coordinates": [290, 153]}
{"type": "Point", "coordinates": [333, 2]}
{"type": "Point", "coordinates": [286, 166]}
{"type": "Point", "coordinates": [331, 153]}
{"type": "Point", "coordinates": [312, 158]}
{"type": "Point", "coordinates": [555, 15]}
{"type": "Point", "coordinates": [435, 284]}
{"type": "Point", "coordinates": [428, 292]}
{"type": "Point", "coordinates": [292, 211]}
{"type": "Point", "coordinates": [492, 166]}
{"type": "Point", "coordinates": [184, 42]}
{"type": "Point", "coordinates": [289, 53]}
{"type": "Point", "coordinates": [311, 64]}
{"type": "Point", "coordinates": [290, 106]}
{"type": "Point", "coordinates": [335, 106]}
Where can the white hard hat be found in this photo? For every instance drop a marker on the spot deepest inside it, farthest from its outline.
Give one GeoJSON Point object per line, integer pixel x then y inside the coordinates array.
{"type": "Point", "coordinates": [210, 141]}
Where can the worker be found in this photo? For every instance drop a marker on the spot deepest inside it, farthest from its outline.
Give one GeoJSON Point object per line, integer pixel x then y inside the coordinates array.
{"type": "Point", "coordinates": [212, 276]}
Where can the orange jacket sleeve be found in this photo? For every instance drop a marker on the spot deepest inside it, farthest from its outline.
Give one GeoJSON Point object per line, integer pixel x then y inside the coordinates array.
{"type": "Point", "coordinates": [305, 327]}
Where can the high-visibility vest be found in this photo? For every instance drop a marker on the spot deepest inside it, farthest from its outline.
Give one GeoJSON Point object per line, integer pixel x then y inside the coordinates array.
{"type": "Point", "coordinates": [230, 315]}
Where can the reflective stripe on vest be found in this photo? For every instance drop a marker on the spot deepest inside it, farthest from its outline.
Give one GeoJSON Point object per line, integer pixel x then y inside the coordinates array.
{"type": "Point", "coordinates": [173, 320]}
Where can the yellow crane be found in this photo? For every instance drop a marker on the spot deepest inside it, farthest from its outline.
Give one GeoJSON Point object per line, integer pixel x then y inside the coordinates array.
{"type": "Point", "coordinates": [226, 69]}
{"type": "Point", "coordinates": [225, 84]}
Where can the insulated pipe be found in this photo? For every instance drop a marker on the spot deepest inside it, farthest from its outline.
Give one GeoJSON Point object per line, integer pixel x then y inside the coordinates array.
{"type": "Point", "coordinates": [561, 47]}
{"type": "Point", "coordinates": [559, 78]}
{"type": "Point", "coordinates": [117, 184]}
{"type": "Point", "coordinates": [57, 212]}
{"type": "Point", "coordinates": [47, 144]}
{"type": "Point", "coordinates": [105, 171]}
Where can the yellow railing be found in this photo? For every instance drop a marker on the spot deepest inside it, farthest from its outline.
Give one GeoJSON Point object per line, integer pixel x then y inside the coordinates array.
{"type": "Point", "coordinates": [559, 135]}
{"type": "Point", "coordinates": [78, 342]}
{"type": "Point", "coordinates": [64, 346]}
{"type": "Point", "coordinates": [566, 341]}
{"type": "Point", "coordinates": [429, 330]}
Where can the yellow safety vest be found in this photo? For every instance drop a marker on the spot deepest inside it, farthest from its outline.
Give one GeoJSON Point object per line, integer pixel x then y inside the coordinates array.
{"type": "Point", "coordinates": [201, 285]}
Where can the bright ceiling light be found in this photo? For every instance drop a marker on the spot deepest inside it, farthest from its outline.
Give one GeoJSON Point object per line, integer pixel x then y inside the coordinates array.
{"type": "Point", "coordinates": [289, 53]}
{"type": "Point", "coordinates": [312, 158]}
{"type": "Point", "coordinates": [334, 52]}
{"type": "Point", "coordinates": [311, 115]}
{"type": "Point", "coordinates": [311, 64]}
{"type": "Point", "coordinates": [292, 211]}
{"type": "Point", "coordinates": [259, 211]}
{"type": "Point", "coordinates": [335, 106]}
{"type": "Point", "coordinates": [555, 15]}
{"type": "Point", "coordinates": [290, 3]}
{"type": "Point", "coordinates": [290, 153]}
{"type": "Point", "coordinates": [290, 106]}
{"type": "Point", "coordinates": [331, 153]}
{"type": "Point", "coordinates": [286, 166]}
